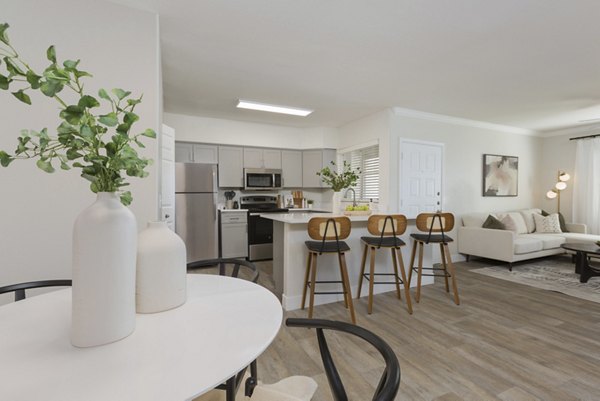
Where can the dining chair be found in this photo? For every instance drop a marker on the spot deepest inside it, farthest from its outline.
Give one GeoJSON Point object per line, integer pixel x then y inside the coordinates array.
{"type": "Point", "coordinates": [232, 385]}
{"type": "Point", "coordinates": [19, 289]}
{"type": "Point", "coordinates": [385, 230]}
{"type": "Point", "coordinates": [434, 228]}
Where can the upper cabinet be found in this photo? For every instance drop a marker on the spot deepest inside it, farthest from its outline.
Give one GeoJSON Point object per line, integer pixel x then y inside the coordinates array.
{"type": "Point", "coordinates": [312, 162]}
{"type": "Point", "coordinates": [231, 166]}
{"type": "Point", "coordinates": [196, 153]}
{"type": "Point", "coordinates": [291, 166]}
{"type": "Point", "coordinates": [262, 158]}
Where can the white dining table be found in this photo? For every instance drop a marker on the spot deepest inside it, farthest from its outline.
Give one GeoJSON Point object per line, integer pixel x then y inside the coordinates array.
{"type": "Point", "coordinates": [225, 324]}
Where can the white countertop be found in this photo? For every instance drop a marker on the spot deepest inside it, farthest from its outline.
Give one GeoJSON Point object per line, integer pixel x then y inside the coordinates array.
{"type": "Point", "coordinates": [305, 209]}
{"type": "Point", "coordinates": [303, 218]}
{"type": "Point", "coordinates": [234, 210]}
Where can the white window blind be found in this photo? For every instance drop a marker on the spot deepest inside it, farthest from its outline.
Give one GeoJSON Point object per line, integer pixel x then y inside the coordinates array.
{"type": "Point", "coordinates": [367, 159]}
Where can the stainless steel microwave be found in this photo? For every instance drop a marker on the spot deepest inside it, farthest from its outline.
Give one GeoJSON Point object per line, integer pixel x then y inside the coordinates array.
{"type": "Point", "coordinates": [262, 179]}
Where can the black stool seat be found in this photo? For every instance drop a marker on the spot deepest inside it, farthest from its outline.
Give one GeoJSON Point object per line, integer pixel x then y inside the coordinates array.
{"type": "Point", "coordinates": [330, 246]}
{"type": "Point", "coordinates": [386, 242]}
{"type": "Point", "coordinates": [438, 238]}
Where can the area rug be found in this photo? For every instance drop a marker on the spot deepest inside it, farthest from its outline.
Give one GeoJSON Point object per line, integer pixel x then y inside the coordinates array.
{"type": "Point", "coordinates": [553, 274]}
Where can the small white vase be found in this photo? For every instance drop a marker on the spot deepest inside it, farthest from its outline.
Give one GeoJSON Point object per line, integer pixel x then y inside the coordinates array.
{"type": "Point", "coordinates": [336, 202]}
{"type": "Point", "coordinates": [104, 252]}
{"type": "Point", "coordinates": [161, 269]}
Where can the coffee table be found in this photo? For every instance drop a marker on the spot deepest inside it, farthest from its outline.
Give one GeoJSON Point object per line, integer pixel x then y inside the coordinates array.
{"type": "Point", "coordinates": [582, 266]}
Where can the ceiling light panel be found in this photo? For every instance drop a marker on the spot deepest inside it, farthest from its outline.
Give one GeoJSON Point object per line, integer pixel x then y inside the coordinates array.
{"type": "Point", "coordinates": [245, 104]}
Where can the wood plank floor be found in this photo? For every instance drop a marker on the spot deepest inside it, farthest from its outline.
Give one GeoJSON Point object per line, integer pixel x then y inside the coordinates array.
{"type": "Point", "coordinates": [505, 341]}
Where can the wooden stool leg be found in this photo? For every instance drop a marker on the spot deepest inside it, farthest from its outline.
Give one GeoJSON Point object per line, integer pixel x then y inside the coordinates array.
{"type": "Point", "coordinates": [371, 281]}
{"type": "Point", "coordinates": [406, 283]}
{"type": "Point", "coordinates": [362, 270]}
{"type": "Point", "coordinates": [452, 275]}
{"type": "Point", "coordinates": [396, 277]}
{"type": "Point", "coordinates": [412, 262]}
{"type": "Point", "coordinates": [306, 276]}
{"type": "Point", "coordinates": [420, 273]}
{"type": "Point", "coordinates": [313, 279]}
{"type": "Point", "coordinates": [444, 265]}
{"type": "Point", "coordinates": [346, 283]}
{"type": "Point", "coordinates": [342, 280]}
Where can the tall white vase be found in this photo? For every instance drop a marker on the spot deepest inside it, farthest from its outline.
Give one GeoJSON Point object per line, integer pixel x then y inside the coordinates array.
{"type": "Point", "coordinates": [161, 269]}
{"type": "Point", "coordinates": [104, 255]}
{"type": "Point", "coordinates": [337, 202]}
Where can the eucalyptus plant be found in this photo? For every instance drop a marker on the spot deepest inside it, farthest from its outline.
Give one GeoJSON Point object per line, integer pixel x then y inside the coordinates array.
{"type": "Point", "coordinates": [99, 143]}
{"type": "Point", "coordinates": [347, 178]}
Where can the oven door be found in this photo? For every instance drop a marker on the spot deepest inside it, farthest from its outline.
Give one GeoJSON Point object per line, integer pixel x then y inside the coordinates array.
{"type": "Point", "coordinates": [258, 180]}
{"type": "Point", "coordinates": [260, 238]}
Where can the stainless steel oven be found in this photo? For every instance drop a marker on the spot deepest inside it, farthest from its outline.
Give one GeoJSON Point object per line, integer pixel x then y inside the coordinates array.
{"type": "Point", "coordinates": [262, 179]}
{"type": "Point", "coordinates": [260, 230]}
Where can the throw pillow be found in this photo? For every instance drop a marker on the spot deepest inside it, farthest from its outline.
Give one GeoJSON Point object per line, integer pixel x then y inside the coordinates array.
{"type": "Point", "coordinates": [517, 218]}
{"type": "Point", "coordinates": [509, 223]}
{"type": "Point", "coordinates": [548, 224]}
{"type": "Point", "coordinates": [528, 217]}
{"type": "Point", "coordinates": [545, 213]}
{"type": "Point", "coordinates": [493, 223]}
{"type": "Point", "coordinates": [563, 223]}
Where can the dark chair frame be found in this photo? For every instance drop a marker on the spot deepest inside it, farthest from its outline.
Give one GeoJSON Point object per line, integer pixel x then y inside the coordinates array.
{"type": "Point", "coordinates": [232, 384]}
{"type": "Point", "coordinates": [19, 289]}
{"type": "Point", "coordinates": [389, 382]}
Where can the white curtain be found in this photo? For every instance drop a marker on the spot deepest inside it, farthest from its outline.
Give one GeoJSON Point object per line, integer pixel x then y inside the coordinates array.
{"type": "Point", "coordinates": [586, 189]}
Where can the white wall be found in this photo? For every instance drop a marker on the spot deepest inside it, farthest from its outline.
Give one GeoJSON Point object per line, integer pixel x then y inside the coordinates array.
{"type": "Point", "coordinates": [240, 133]}
{"type": "Point", "coordinates": [119, 46]}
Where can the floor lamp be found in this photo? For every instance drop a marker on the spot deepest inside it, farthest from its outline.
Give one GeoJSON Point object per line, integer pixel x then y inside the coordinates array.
{"type": "Point", "coordinates": [561, 185]}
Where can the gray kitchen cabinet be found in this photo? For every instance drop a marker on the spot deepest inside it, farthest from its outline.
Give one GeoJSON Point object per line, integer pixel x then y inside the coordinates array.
{"type": "Point", "coordinates": [233, 235]}
{"type": "Point", "coordinates": [312, 162]}
{"type": "Point", "coordinates": [206, 154]}
{"type": "Point", "coordinates": [231, 167]}
{"type": "Point", "coordinates": [262, 158]}
{"type": "Point", "coordinates": [291, 166]}
{"type": "Point", "coordinates": [184, 152]}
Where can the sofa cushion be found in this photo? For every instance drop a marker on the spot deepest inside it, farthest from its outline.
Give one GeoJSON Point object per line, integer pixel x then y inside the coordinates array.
{"type": "Point", "coordinates": [474, 219]}
{"type": "Point", "coordinates": [494, 223]}
{"type": "Point", "coordinates": [547, 224]}
{"type": "Point", "coordinates": [528, 217]}
{"type": "Point", "coordinates": [523, 244]}
{"type": "Point", "coordinates": [509, 224]}
{"type": "Point", "coordinates": [517, 217]}
{"type": "Point", "coordinates": [549, 241]}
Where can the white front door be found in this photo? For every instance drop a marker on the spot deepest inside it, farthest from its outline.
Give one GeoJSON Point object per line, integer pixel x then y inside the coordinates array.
{"type": "Point", "coordinates": [420, 177]}
{"type": "Point", "coordinates": [167, 176]}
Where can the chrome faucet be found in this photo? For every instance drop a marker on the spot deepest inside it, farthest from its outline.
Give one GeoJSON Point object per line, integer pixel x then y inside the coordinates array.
{"type": "Point", "coordinates": [353, 196]}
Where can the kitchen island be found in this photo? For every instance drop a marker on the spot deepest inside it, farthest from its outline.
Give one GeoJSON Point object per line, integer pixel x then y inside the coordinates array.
{"type": "Point", "coordinates": [290, 254]}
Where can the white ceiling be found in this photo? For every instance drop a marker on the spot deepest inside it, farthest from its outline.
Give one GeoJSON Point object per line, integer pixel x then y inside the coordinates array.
{"type": "Point", "coordinates": [533, 64]}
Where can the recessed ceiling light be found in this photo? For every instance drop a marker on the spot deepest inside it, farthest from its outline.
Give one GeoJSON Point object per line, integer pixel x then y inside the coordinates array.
{"type": "Point", "coordinates": [244, 104]}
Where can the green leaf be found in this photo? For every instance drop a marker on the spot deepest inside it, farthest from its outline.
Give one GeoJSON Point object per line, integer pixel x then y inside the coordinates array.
{"type": "Point", "coordinates": [104, 95]}
{"type": "Point", "coordinates": [33, 79]}
{"type": "Point", "coordinates": [126, 198]}
{"type": "Point", "coordinates": [5, 159]}
{"type": "Point", "coordinates": [51, 87]}
{"type": "Point", "coordinates": [22, 96]}
{"type": "Point", "coordinates": [4, 82]}
{"type": "Point", "coordinates": [3, 35]}
{"type": "Point", "coordinates": [150, 133]}
{"type": "Point", "coordinates": [86, 132]}
{"type": "Point", "coordinates": [64, 166]}
{"type": "Point", "coordinates": [13, 68]}
{"type": "Point", "coordinates": [130, 118]}
{"type": "Point", "coordinates": [88, 101]}
{"type": "Point", "coordinates": [109, 119]}
{"type": "Point", "coordinates": [70, 64]}
{"type": "Point", "coordinates": [79, 74]}
{"type": "Point", "coordinates": [73, 154]}
{"type": "Point", "coordinates": [140, 144]}
{"type": "Point", "coordinates": [51, 54]}
{"type": "Point", "coordinates": [72, 114]}
{"type": "Point", "coordinates": [66, 128]}
{"type": "Point", "coordinates": [120, 93]}
{"type": "Point", "coordinates": [45, 165]}
{"type": "Point", "coordinates": [133, 102]}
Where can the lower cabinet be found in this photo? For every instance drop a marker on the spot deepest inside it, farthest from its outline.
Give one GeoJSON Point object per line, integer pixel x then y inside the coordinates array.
{"type": "Point", "coordinates": [233, 235]}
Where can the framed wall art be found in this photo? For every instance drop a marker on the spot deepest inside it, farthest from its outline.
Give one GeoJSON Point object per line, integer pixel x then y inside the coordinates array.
{"type": "Point", "coordinates": [500, 175]}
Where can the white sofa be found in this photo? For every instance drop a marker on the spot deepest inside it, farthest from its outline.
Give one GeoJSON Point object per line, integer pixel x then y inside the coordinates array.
{"type": "Point", "coordinates": [509, 246]}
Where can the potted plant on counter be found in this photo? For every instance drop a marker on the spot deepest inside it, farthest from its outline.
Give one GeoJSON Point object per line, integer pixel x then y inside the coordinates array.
{"type": "Point", "coordinates": [339, 180]}
{"type": "Point", "coordinates": [97, 139]}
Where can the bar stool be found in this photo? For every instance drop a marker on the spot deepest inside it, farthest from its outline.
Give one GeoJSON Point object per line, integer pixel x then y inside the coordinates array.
{"type": "Point", "coordinates": [434, 223]}
{"type": "Point", "coordinates": [387, 229]}
{"type": "Point", "coordinates": [327, 234]}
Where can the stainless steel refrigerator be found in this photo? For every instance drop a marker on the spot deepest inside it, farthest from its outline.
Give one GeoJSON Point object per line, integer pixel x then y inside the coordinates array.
{"type": "Point", "coordinates": [196, 209]}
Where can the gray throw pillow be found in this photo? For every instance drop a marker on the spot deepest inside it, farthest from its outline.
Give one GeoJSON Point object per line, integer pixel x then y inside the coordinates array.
{"type": "Point", "coordinates": [493, 223]}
